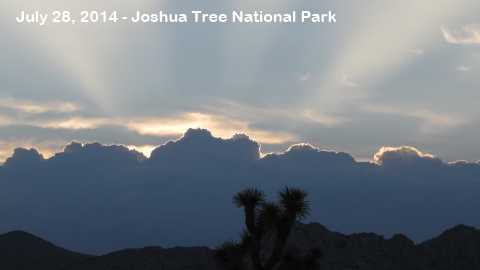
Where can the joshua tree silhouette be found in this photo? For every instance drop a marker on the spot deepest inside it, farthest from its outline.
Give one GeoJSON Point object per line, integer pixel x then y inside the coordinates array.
{"type": "Point", "coordinates": [262, 217]}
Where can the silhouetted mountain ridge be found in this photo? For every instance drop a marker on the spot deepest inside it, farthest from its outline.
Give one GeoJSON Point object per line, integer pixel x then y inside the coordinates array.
{"type": "Point", "coordinates": [20, 250]}
{"type": "Point", "coordinates": [455, 248]}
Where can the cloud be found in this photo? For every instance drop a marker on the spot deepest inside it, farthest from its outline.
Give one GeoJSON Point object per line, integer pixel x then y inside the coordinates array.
{"type": "Point", "coordinates": [462, 68]}
{"type": "Point", "coordinates": [220, 125]}
{"type": "Point", "coordinates": [31, 107]}
{"type": "Point", "coordinates": [306, 77]}
{"type": "Point", "coordinates": [23, 158]}
{"type": "Point", "coordinates": [105, 153]}
{"type": "Point", "coordinates": [196, 144]}
{"type": "Point", "coordinates": [402, 154]}
{"type": "Point", "coordinates": [458, 162]}
{"type": "Point", "coordinates": [344, 81]}
{"type": "Point", "coordinates": [76, 122]}
{"type": "Point", "coordinates": [47, 147]}
{"type": "Point", "coordinates": [419, 52]}
{"type": "Point", "coordinates": [324, 119]}
{"type": "Point", "coordinates": [471, 35]}
{"type": "Point", "coordinates": [113, 197]}
{"type": "Point", "coordinates": [144, 149]}
{"type": "Point", "coordinates": [305, 154]}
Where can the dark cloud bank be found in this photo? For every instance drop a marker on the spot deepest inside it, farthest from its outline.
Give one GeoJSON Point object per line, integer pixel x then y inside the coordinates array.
{"type": "Point", "coordinates": [96, 199]}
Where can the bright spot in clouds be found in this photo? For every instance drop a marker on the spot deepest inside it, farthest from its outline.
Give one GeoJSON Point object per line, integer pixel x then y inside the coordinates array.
{"type": "Point", "coordinates": [402, 152]}
{"type": "Point", "coordinates": [145, 149]}
{"type": "Point", "coordinates": [219, 126]}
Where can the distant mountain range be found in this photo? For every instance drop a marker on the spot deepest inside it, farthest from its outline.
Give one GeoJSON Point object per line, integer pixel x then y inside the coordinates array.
{"type": "Point", "coordinates": [455, 248]}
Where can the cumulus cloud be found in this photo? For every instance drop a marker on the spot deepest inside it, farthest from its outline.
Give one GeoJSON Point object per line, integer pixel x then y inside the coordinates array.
{"type": "Point", "coordinates": [306, 155]}
{"type": "Point", "coordinates": [48, 148]}
{"type": "Point", "coordinates": [402, 154]}
{"type": "Point", "coordinates": [106, 153]}
{"type": "Point", "coordinates": [458, 162]}
{"type": "Point", "coordinates": [471, 35]}
{"type": "Point", "coordinates": [65, 127]}
{"type": "Point", "coordinates": [199, 143]}
{"type": "Point", "coordinates": [114, 197]}
{"type": "Point", "coordinates": [23, 158]}
{"type": "Point", "coordinates": [305, 147]}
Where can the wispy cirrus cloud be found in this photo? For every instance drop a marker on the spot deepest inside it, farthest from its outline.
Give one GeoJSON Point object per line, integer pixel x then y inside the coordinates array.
{"type": "Point", "coordinates": [419, 52]}
{"type": "Point", "coordinates": [328, 120]}
{"type": "Point", "coordinates": [345, 81]}
{"type": "Point", "coordinates": [31, 107]}
{"type": "Point", "coordinates": [471, 35]}
{"type": "Point", "coordinates": [305, 77]}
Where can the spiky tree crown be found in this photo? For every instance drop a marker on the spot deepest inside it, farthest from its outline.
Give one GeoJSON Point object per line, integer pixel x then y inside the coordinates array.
{"type": "Point", "coordinates": [248, 197]}
{"type": "Point", "coordinates": [262, 217]}
{"type": "Point", "coordinates": [293, 199]}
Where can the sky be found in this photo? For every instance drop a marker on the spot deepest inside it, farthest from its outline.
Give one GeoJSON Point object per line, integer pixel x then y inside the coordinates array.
{"type": "Point", "coordinates": [186, 113]}
{"type": "Point", "coordinates": [386, 73]}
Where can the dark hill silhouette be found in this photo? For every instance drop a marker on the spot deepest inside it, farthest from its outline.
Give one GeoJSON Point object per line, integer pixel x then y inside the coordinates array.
{"type": "Point", "coordinates": [455, 248]}
{"type": "Point", "coordinates": [20, 250]}
{"type": "Point", "coordinates": [151, 258]}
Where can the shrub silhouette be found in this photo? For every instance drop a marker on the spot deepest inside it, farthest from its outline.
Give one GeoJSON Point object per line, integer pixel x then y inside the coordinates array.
{"type": "Point", "coordinates": [262, 217]}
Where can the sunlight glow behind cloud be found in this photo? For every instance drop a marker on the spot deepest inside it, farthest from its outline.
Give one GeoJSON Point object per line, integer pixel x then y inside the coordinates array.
{"type": "Point", "coordinates": [402, 151]}
{"type": "Point", "coordinates": [219, 126]}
